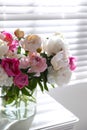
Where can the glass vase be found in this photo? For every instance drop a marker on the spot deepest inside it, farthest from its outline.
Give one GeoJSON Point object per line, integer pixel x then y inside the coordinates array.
{"type": "Point", "coordinates": [19, 109]}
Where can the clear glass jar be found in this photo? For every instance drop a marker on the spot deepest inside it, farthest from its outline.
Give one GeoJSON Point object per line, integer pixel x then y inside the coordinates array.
{"type": "Point", "coordinates": [21, 108]}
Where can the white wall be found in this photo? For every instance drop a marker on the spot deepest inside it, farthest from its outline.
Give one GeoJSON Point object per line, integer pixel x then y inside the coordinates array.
{"type": "Point", "coordinates": [74, 98]}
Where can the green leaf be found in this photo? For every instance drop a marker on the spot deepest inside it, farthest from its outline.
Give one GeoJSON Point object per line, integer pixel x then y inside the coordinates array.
{"type": "Point", "coordinates": [26, 53]}
{"type": "Point", "coordinates": [45, 86]}
{"type": "Point", "coordinates": [10, 91]}
{"type": "Point", "coordinates": [8, 100]}
{"type": "Point", "coordinates": [32, 84]}
{"type": "Point", "coordinates": [41, 86]}
{"type": "Point", "coordinates": [25, 91]}
{"type": "Point", "coordinates": [44, 77]}
{"type": "Point", "coordinates": [19, 50]}
{"type": "Point", "coordinates": [15, 91]}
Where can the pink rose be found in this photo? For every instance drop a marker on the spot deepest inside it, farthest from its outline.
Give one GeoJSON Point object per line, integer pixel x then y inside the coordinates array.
{"type": "Point", "coordinates": [13, 46]}
{"type": "Point", "coordinates": [11, 66]}
{"type": "Point", "coordinates": [37, 63]}
{"type": "Point", "coordinates": [72, 63]}
{"type": "Point", "coordinates": [21, 80]}
{"type": "Point", "coordinates": [8, 37]}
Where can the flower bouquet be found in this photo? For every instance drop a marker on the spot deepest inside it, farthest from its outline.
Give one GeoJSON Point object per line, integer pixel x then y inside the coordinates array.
{"type": "Point", "coordinates": [28, 61]}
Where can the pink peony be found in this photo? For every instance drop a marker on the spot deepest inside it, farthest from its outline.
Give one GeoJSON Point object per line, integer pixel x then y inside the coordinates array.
{"type": "Point", "coordinates": [31, 43]}
{"type": "Point", "coordinates": [24, 62]}
{"type": "Point", "coordinates": [8, 37]}
{"type": "Point", "coordinates": [21, 80]}
{"type": "Point", "coordinates": [11, 66]}
{"type": "Point", "coordinates": [72, 63]}
{"type": "Point", "coordinates": [13, 46]}
{"type": "Point", "coordinates": [37, 64]}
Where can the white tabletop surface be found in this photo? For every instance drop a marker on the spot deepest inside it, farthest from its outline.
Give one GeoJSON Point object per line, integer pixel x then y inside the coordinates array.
{"type": "Point", "coordinates": [49, 114]}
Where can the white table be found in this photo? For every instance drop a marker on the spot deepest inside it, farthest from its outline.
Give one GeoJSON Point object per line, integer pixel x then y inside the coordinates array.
{"type": "Point", "coordinates": [50, 115]}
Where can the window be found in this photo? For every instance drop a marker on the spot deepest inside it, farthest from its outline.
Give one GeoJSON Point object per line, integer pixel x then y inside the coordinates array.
{"type": "Point", "coordinates": [45, 17]}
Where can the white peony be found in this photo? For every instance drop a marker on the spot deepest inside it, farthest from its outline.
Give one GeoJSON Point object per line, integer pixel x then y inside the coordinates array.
{"type": "Point", "coordinates": [54, 44]}
{"type": "Point", "coordinates": [4, 79]}
{"type": "Point", "coordinates": [60, 77]}
{"type": "Point", "coordinates": [3, 48]}
{"type": "Point", "coordinates": [2, 36]}
{"type": "Point", "coordinates": [8, 81]}
{"type": "Point", "coordinates": [59, 61]}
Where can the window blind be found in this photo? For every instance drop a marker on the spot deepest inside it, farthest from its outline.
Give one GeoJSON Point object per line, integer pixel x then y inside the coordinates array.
{"type": "Point", "coordinates": [45, 17]}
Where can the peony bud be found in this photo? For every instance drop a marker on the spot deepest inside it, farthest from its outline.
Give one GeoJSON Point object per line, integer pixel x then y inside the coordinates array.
{"type": "Point", "coordinates": [19, 34]}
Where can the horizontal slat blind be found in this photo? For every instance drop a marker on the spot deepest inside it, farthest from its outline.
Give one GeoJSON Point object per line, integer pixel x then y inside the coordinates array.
{"type": "Point", "coordinates": [45, 17]}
